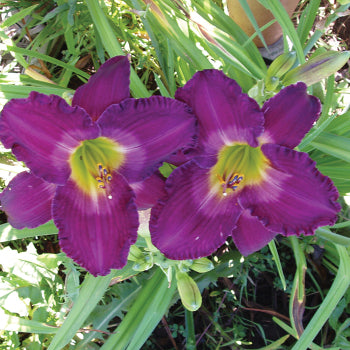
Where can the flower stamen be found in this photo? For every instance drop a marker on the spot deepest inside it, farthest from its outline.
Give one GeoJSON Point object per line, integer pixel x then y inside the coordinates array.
{"type": "Point", "coordinates": [237, 166]}
{"type": "Point", "coordinates": [104, 178]}
{"type": "Point", "coordinates": [92, 163]}
{"type": "Point", "coordinates": [232, 182]}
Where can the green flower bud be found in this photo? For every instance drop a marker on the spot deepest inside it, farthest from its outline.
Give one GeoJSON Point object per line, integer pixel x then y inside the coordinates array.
{"type": "Point", "coordinates": [281, 65]}
{"type": "Point", "coordinates": [271, 83]}
{"type": "Point", "coordinates": [202, 265]}
{"type": "Point", "coordinates": [135, 254]}
{"type": "Point", "coordinates": [189, 293]}
{"type": "Point", "coordinates": [317, 68]}
{"type": "Point", "coordinates": [142, 265]}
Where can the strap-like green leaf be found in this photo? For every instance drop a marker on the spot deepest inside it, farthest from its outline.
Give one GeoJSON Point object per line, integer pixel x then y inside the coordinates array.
{"type": "Point", "coordinates": [112, 45]}
{"type": "Point", "coordinates": [18, 324]}
{"type": "Point", "coordinates": [16, 17]}
{"type": "Point", "coordinates": [336, 292]}
{"type": "Point", "coordinates": [335, 145]}
{"type": "Point", "coordinates": [8, 233]}
{"type": "Point", "coordinates": [150, 306]}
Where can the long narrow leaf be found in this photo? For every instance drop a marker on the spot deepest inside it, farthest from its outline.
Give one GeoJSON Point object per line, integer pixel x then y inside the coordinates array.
{"type": "Point", "coordinates": [49, 59]}
{"type": "Point", "coordinates": [146, 312]}
{"type": "Point", "coordinates": [218, 18]}
{"type": "Point", "coordinates": [18, 324]}
{"type": "Point", "coordinates": [337, 146]}
{"type": "Point", "coordinates": [8, 91]}
{"type": "Point", "coordinates": [112, 45]}
{"type": "Point", "coordinates": [90, 294]}
{"type": "Point", "coordinates": [286, 23]}
{"type": "Point", "coordinates": [82, 345]}
{"type": "Point", "coordinates": [336, 292]}
{"type": "Point", "coordinates": [8, 233]}
{"type": "Point", "coordinates": [314, 133]}
{"type": "Point", "coordinates": [276, 258]}
{"type": "Point", "coordinates": [16, 17]}
{"type": "Point", "coordinates": [252, 19]}
{"type": "Point", "coordinates": [307, 20]}
{"type": "Point", "coordinates": [327, 234]}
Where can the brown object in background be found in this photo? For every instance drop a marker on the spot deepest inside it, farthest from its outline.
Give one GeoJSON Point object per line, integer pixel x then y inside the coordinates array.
{"type": "Point", "coordinates": [262, 16]}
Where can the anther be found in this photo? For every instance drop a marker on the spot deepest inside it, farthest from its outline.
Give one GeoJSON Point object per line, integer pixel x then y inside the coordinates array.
{"type": "Point", "coordinates": [232, 182]}
{"type": "Point", "coordinates": [104, 178]}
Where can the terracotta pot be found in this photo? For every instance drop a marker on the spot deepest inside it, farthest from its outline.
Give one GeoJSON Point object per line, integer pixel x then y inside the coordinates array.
{"type": "Point", "coordinates": [262, 16]}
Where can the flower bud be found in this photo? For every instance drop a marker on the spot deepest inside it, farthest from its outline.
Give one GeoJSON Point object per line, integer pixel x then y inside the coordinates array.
{"type": "Point", "coordinates": [271, 83]}
{"type": "Point", "coordinates": [317, 68]}
{"type": "Point", "coordinates": [135, 254]}
{"type": "Point", "coordinates": [189, 293]}
{"type": "Point", "coordinates": [143, 265]}
{"type": "Point", "coordinates": [281, 65]}
{"type": "Point", "coordinates": [202, 265]}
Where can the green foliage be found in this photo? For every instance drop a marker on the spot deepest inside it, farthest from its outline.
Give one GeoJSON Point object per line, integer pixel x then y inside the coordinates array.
{"type": "Point", "coordinates": [46, 301]}
{"type": "Point", "coordinates": [31, 293]}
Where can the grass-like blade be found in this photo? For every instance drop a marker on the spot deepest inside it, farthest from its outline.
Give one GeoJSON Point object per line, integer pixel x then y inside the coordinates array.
{"type": "Point", "coordinates": [144, 315]}
{"type": "Point", "coordinates": [335, 145]}
{"type": "Point", "coordinates": [91, 292]}
{"type": "Point", "coordinates": [18, 324]}
{"type": "Point", "coordinates": [112, 45]}
{"type": "Point", "coordinates": [276, 258]}
{"type": "Point", "coordinates": [8, 233]}
{"type": "Point", "coordinates": [336, 292]}
{"type": "Point", "coordinates": [16, 17]}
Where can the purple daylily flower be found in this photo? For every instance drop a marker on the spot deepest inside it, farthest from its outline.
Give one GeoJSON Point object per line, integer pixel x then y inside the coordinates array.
{"type": "Point", "coordinates": [87, 162]}
{"type": "Point", "coordinates": [246, 181]}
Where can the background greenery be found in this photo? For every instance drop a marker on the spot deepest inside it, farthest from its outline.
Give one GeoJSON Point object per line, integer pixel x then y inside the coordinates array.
{"type": "Point", "coordinates": [293, 294]}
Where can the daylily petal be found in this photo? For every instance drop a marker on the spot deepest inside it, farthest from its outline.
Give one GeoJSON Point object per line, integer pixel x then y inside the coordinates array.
{"type": "Point", "coordinates": [192, 221]}
{"type": "Point", "coordinates": [148, 191]}
{"type": "Point", "coordinates": [250, 235]}
{"type": "Point", "coordinates": [43, 131]}
{"type": "Point", "coordinates": [27, 201]}
{"type": "Point", "coordinates": [109, 85]}
{"type": "Point", "coordinates": [294, 197]}
{"type": "Point", "coordinates": [225, 114]}
{"type": "Point", "coordinates": [289, 115]}
{"type": "Point", "coordinates": [96, 230]}
{"type": "Point", "coordinates": [149, 131]}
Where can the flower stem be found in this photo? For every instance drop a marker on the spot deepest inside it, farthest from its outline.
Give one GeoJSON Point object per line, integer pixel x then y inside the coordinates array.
{"type": "Point", "coordinates": [190, 333]}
